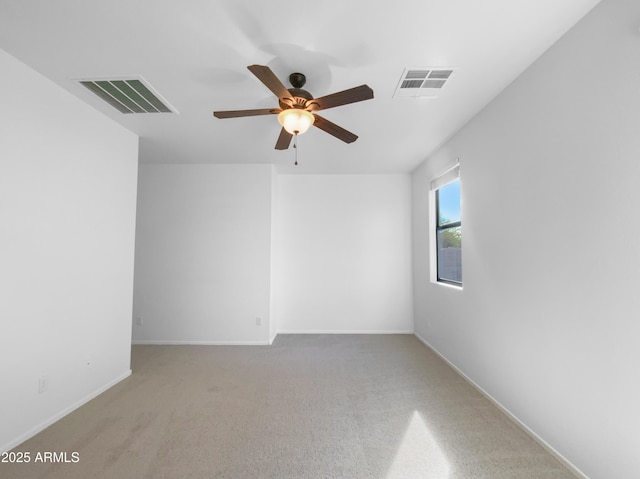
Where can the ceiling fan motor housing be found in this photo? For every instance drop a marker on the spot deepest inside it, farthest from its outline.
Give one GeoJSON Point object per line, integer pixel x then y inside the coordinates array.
{"type": "Point", "coordinates": [300, 99]}
{"type": "Point", "coordinates": [300, 96]}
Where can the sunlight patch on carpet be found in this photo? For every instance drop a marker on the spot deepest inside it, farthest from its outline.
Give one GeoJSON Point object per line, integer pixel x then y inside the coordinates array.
{"type": "Point", "coordinates": [419, 455]}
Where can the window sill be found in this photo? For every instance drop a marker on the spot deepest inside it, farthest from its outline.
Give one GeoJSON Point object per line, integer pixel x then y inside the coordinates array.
{"type": "Point", "coordinates": [447, 284]}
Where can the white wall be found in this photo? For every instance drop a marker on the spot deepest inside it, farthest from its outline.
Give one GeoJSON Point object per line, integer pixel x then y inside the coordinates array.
{"type": "Point", "coordinates": [547, 322]}
{"type": "Point", "coordinates": [344, 249]}
{"type": "Point", "coordinates": [67, 219]}
{"type": "Point", "coordinates": [203, 254]}
{"type": "Point", "coordinates": [218, 246]}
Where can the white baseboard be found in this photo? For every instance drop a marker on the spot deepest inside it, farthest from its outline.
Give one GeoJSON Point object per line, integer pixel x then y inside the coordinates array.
{"type": "Point", "coordinates": [577, 472]}
{"type": "Point", "coordinates": [340, 331]}
{"type": "Point", "coordinates": [56, 417]}
{"type": "Point", "coordinates": [161, 342]}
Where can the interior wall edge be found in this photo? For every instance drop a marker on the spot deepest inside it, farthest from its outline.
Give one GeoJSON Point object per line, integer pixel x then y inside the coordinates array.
{"type": "Point", "coordinates": [531, 433]}
{"type": "Point", "coordinates": [56, 417]}
{"type": "Point", "coordinates": [346, 331]}
{"type": "Point", "coordinates": [162, 342]}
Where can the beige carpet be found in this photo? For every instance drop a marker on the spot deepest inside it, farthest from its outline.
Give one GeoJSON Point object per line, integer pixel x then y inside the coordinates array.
{"type": "Point", "coordinates": [316, 406]}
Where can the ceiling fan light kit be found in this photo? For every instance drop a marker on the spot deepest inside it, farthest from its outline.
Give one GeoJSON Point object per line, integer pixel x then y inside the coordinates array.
{"type": "Point", "coordinates": [297, 106]}
{"type": "Point", "coordinates": [295, 120]}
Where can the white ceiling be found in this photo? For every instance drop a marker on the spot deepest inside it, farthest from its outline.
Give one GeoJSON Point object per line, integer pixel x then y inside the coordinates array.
{"type": "Point", "coordinates": [195, 53]}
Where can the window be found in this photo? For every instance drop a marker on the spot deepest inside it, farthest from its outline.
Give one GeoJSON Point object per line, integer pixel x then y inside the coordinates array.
{"type": "Point", "coordinates": [449, 233]}
{"type": "Point", "coordinates": [446, 250]}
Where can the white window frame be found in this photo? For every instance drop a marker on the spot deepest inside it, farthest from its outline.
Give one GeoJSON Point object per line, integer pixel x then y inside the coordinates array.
{"type": "Point", "coordinates": [450, 175]}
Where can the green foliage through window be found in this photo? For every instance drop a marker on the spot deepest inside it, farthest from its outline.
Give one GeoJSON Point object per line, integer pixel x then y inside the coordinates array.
{"type": "Point", "coordinates": [452, 238]}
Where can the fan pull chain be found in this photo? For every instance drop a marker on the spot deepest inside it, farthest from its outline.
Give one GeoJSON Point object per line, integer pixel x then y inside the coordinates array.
{"type": "Point", "coordinates": [295, 146]}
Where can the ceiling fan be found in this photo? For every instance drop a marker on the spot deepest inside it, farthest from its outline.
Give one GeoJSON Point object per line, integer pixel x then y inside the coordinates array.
{"type": "Point", "coordinates": [297, 106]}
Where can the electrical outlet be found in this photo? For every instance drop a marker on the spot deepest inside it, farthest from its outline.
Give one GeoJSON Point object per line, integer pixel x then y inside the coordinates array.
{"type": "Point", "coordinates": [258, 321]}
{"type": "Point", "coordinates": [43, 384]}
{"type": "Point", "coordinates": [138, 320]}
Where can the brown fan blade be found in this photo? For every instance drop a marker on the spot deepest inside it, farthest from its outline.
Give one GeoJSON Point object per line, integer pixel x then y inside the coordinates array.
{"type": "Point", "coordinates": [352, 95]}
{"type": "Point", "coordinates": [283, 140]}
{"type": "Point", "coordinates": [240, 113]}
{"type": "Point", "coordinates": [271, 81]}
{"type": "Point", "coordinates": [335, 130]}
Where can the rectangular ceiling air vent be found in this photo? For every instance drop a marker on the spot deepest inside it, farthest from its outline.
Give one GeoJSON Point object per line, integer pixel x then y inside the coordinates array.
{"type": "Point", "coordinates": [422, 82]}
{"type": "Point", "coordinates": [130, 95]}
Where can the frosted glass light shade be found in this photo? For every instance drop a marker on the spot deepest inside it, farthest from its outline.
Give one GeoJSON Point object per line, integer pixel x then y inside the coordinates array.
{"type": "Point", "coordinates": [295, 120]}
